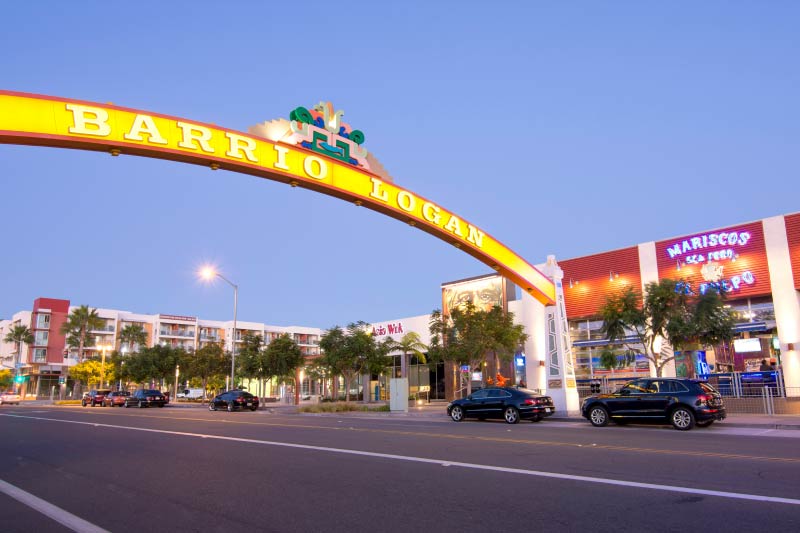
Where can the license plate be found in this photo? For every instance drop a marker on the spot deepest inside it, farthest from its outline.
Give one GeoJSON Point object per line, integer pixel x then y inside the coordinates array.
{"type": "Point", "coordinates": [247, 403]}
{"type": "Point", "coordinates": [548, 409]}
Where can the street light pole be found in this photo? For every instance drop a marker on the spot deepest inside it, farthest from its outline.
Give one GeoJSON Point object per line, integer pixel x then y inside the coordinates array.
{"type": "Point", "coordinates": [208, 273]}
{"type": "Point", "coordinates": [177, 371]}
{"type": "Point", "coordinates": [103, 348]}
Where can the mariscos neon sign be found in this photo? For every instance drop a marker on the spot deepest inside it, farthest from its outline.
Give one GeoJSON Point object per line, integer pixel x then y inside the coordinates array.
{"type": "Point", "coordinates": [692, 250]}
{"type": "Point", "coordinates": [709, 250]}
{"type": "Point", "coordinates": [330, 162]}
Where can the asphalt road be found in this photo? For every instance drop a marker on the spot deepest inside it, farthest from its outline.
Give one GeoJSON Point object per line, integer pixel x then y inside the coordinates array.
{"type": "Point", "coordinates": [165, 470]}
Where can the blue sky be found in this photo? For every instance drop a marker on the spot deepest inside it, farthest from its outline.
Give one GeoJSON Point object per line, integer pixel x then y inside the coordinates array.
{"type": "Point", "coordinates": [562, 128]}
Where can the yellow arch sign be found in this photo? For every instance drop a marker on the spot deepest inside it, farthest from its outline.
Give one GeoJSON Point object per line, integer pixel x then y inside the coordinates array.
{"type": "Point", "coordinates": [50, 121]}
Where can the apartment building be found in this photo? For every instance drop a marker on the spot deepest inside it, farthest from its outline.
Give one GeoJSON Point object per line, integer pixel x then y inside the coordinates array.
{"type": "Point", "coordinates": [43, 361]}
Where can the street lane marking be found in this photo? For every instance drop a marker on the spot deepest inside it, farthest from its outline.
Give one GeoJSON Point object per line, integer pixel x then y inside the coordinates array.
{"type": "Point", "coordinates": [65, 518]}
{"type": "Point", "coordinates": [440, 462]}
{"type": "Point", "coordinates": [505, 440]}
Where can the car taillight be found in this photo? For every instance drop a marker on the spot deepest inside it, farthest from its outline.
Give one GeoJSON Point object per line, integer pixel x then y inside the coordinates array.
{"type": "Point", "coordinates": [703, 399]}
{"type": "Point", "coordinates": [530, 401]}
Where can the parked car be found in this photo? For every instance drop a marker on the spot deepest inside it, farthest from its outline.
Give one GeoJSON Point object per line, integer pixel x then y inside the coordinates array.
{"type": "Point", "coordinates": [509, 403]}
{"type": "Point", "coordinates": [145, 398]}
{"type": "Point", "coordinates": [10, 397]}
{"type": "Point", "coordinates": [681, 402]}
{"type": "Point", "coordinates": [115, 398]}
{"type": "Point", "coordinates": [234, 399]}
{"type": "Point", "coordinates": [94, 397]}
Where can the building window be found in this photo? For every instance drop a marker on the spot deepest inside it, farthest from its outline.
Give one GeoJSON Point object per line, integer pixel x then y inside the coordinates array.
{"type": "Point", "coordinates": [42, 321]}
{"type": "Point", "coordinates": [40, 338]}
{"type": "Point", "coordinates": [40, 355]}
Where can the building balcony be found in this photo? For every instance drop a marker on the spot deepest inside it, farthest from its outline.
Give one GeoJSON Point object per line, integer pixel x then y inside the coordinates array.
{"type": "Point", "coordinates": [176, 333]}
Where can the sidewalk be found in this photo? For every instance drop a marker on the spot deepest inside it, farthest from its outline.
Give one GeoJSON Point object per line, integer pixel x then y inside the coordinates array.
{"type": "Point", "coordinates": [439, 410]}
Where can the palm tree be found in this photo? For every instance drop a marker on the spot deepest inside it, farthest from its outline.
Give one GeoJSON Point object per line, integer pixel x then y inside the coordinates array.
{"type": "Point", "coordinates": [409, 344]}
{"type": "Point", "coordinates": [19, 334]}
{"type": "Point", "coordinates": [79, 324]}
{"type": "Point", "coordinates": [134, 335]}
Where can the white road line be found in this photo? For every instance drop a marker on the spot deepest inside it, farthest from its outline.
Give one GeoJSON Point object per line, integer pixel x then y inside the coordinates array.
{"type": "Point", "coordinates": [58, 514]}
{"type": "Point", "coordinates": [473, 466]}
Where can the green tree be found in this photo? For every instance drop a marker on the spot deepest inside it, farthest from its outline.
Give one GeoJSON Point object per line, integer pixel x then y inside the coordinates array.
{"type": "Point", "coordinates": [334, 355]}
{"type": "Point", "coordinates": [350, 353]}
{"type": "Point", "coordinates": [469, 334]}
{"type": "Point", "coordinates": [409, 344]}
{"type": "Point", "coordinates": [6, 379]}
{"type": "Point", "coordinates": [208, 364]}
{"type": "Point", "coordinates": [88, 372]}
{"type": "Point", "coordinates": [20, 335]}
{"type": "Point", "coordinates": [283, 358]}
{"type": "Point", "coordinates": [249, 362]}
{"type": "Point", "coordinates": [78, 326]}
{"type": "Point", "coordinates": [670, 311]}
{"type": "Point", "coordinates": [133, 335]}
{"type": "Point", "coordinates": [155, 364]}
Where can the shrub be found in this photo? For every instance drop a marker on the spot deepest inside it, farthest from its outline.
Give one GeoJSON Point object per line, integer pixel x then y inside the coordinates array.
{"type": "Point", "coordinates": [341, 407]}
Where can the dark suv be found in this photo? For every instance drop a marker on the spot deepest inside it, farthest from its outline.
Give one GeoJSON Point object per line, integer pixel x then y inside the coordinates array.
{"type": "Point", "coordinates": [94, 397]}
{"type": "Point", "coordinates": [681, 402]}
{"type": "Point", "coordinates": [145, 398]}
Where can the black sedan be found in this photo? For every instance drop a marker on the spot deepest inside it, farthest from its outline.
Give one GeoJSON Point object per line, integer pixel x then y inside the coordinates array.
{"type": "Point", "coordinates": [232, 400]}
{"type": "Point", "coordinates": [508, 403]}
{"type": "Point", "coordinates": [681, 402]}
{"type": "Point", "coordinates": [146, 398]}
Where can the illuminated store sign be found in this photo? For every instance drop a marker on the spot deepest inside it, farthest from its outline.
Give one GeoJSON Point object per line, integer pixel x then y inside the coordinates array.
{"type": "Point", "coordinates": [314, 150]}
{"type": "Point", "coordinates": [694, 250]}
{"type": "Point", "coordinates": [732, 284]}
{"type": "Point", "coordinates": [394, 328]}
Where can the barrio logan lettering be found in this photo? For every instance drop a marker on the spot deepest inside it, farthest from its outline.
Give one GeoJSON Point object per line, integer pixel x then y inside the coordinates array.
{"type": "Point", "coordinates": [94, 121]}
{"type": "Point", "coordinates": [314, 149]}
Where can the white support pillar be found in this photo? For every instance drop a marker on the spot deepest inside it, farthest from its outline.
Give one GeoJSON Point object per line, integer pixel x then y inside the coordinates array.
{"type": "Point", "coordinates": [559, 368]}
{"type": "Point", "coordinates": [785, 300]}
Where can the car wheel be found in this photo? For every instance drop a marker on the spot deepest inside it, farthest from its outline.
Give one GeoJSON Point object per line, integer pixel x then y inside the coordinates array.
{"type": "Point", "coordinates": [127, 405]}
{"type": "Point", "coordinates": [230, 407]}
{"type": "Point", "coordinates": [598, 416]}
{"type": "Point", "coordinates": [457, 413]}
{"type": "Point", "coordinates": [253, 408]}
{"type": "Point", "coordinates": [212, 407]}
{"type": "Point", "coordinates": [83, 403]}
{"type": "Point", "coordinates": [92, 403]}
{"type": "Point", "coordinates": [536, 418]}
{"type": "Point", "coordinates": [511, 415]}
{"type": "Point", "coordinates": [704, 424]}
{"type": "Point", "coordinates": [141, 404]}
{"type": "Point", "coordinates": [682, 419]}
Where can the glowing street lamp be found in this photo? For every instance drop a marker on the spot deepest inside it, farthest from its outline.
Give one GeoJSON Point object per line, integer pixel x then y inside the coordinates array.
{"type": "Point", "coordinates": [208, 273]}
{"type": "Point", "coordinates": [103, 348]}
